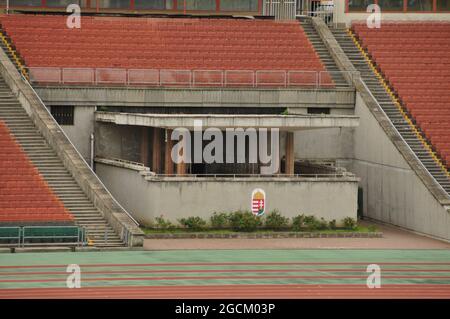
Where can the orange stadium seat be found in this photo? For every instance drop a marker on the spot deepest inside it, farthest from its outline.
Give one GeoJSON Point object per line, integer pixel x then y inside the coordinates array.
{"type": "Point", "coordinates": [413, 57]}
{"type": "Point", "coordinates": [162, 43]}
{"type": "Point", "coordinates": [24, 195]}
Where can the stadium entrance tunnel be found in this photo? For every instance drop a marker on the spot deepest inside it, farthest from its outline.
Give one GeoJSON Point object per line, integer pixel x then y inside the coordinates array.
{"type": "Point", "coordinates": [134, 161]}
{"type": "Point", "coordinates": [180, 144]}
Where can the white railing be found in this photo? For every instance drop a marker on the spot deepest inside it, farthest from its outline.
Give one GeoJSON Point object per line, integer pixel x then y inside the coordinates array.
{"type": "Point", "coordinates": [21, 236]}
{"type": "Point", "coordinates": [326, 10]}
{"type": "Point", "coordinates": [280, 9]}
{"type": "Point", "coordinates": [181, 78]}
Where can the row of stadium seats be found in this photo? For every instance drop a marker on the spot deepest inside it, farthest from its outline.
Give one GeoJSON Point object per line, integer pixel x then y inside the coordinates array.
{"type": "Point", "coordinates": [404, 41]}
{"type": "Point", "coordinates": [123, 23]}
{"type": "Point", "coordinates": [158, 43]}
{"type": "Point", "coordinates": [414, 58]}
{"type": "Point", "coordinates": [241, 41]}
{"type": "Point", "coordinates": [163, 54]}
{"type": "Point", "coordinates": [42, 45]}
{"type": "Point", "coordinates": [24, 195]}
{"type": "Point", "coordinates": [437, 61]}
{"type": "Point", "coordinates": [171, 64]}
{"type": "Point", "coordinates": [425, 26]}
{"type": "Point", "coordinates": [24, 33]}
{"type": "Point", "coordinates": [35, 218]}
{"type": "Point", "coordinates": [408, 48]}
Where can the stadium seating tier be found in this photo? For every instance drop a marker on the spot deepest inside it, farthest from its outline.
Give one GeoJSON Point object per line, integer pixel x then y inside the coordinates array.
{"type": "Point", "coordinates": [25, 197]}
{"type": "Point", "coordinates": [414, 57]}
{"type": "Point", "coordinates": [158, 43]}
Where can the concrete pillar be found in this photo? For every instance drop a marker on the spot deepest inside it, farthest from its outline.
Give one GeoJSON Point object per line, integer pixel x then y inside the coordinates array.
{"type": "Point", "coordinates": [168, 163]}
{"type": "Point", "coordinates": [289, 161]}
{"type": "Point", "coordinates": [144, 146]}
{"type": "Point", "coordinates": [182, 167]}
{"type": "Point", "coordinates": [156, 151]}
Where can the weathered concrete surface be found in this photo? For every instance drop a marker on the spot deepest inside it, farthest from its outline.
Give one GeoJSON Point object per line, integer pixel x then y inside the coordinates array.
{"type": "Point", "coordinates": [282, 122]}
{"type": "Point", "coordinates": [397, 188]}
{"type": "Point", "coordinates": [118, 141]}
{"type": "Point", "coordinates": [331, 144]}
{"type": "Point", "coordinates": [393, 192]}
{"type": "Point", "coordinates": [345, 64]}
{"type": "Point", "coordinates": [80, 132]}
{"type": "Point", "coordinates": [73, 162]}
{"type": "Point", "coordinates": [149, 197]}
{"type": "Point", "coordinates": [197, 97]}
{"type": "Point", "coordinates": [339, 56]}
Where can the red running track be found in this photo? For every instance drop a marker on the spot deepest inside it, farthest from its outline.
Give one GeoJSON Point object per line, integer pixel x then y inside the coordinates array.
{"type": "Point", "coordinates": [232, 291]}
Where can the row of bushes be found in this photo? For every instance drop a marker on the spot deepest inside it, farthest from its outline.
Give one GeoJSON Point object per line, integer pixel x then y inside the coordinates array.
{"type": "Point", "coordinates": [246, 221]}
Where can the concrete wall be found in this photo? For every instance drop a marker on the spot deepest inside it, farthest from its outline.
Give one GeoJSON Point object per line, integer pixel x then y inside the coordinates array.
{"type": "Point", "coordinates": [80, 133]}
{"type": "Point", "coordinates": [184, 197]}
{"type": "Point", "coordinates": [117, 141]}
{"type": "Point", "coordinates": [333, 142]}
{"type": "Point", "coordinates": [393, 192]}
{"type": "Point", "coordinates": [324, 144]}
{"type": "Point", "coordinates": [197, 97]}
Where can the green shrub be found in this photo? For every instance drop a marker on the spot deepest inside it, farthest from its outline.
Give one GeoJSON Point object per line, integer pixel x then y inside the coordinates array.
{"type": "Point", "coordinates": [244, 221]}
{"type": "Point", "coordinates": [372, 228]}
{"type": "Point", "coordinates": [193, 223]}
{"type": "Point", "coordinates": [162, 223]}
{"type": "Point", "coordinates": [311, 222]}
{"type": "Point", "coordinates": [349, 223]}
{"type": "Point", "coordinates": [220, 220]}
{"type": "Point", "coordinates": [332, 224]}
{"type": "Point", "coordinates": [322, 224]}
{"type": "Point", "coordinates": [274, 220]}
{"type": "Point", "coordinates": [298, 222]}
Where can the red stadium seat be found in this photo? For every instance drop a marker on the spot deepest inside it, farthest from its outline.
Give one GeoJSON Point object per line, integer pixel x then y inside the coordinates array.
{"type": "Point", "coordinates": [158, 43]}
{"type": "Point", "coordinates": [413, 57]}
{"type": "Point", "coordinates": [24, 195]}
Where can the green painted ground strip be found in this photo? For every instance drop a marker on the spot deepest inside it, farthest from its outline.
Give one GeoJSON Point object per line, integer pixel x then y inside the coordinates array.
{"type": "Point", "coordinates": [238, 256]}
{"type": "Point", "coordinates": [189, 256]}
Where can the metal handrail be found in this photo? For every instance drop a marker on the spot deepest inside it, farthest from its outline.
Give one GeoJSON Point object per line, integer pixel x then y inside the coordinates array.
{"type": "Point", "coordinates": [79, 238]}
{"type": "Point", "coordinates": [403, 140]}
{"type": "Point", "coordinates": [17, 238]}
{"type": "Point", "coordinates": [76, 150]}
{"type": "Point", "coordinates": [78, 241]}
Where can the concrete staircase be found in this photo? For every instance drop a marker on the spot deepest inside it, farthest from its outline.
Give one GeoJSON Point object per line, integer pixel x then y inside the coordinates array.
{"type": "Point", "coordinates": [385, 101]}
{"type": "Point", "coordinates": [54, 172]}
{"type": "Point", "coordinates": [9, 53]}
{"type": "Point", "coordinates": [324, 54]}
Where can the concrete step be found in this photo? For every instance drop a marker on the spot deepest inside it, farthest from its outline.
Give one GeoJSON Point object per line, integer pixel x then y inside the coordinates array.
{"type": "Point", "coordinates": [389, 108]}
{"type": "Point", "coordinates": [54, 172]}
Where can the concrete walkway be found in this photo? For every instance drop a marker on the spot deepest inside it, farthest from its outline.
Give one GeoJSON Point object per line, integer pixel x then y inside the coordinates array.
{"type": "Point", "coordinates": [393, 238]}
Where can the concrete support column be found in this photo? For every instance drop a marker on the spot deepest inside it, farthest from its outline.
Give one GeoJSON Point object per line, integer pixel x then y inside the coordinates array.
{"type": "Point", "coordinates": [289, 162]}
{"type": "Point", "coordinates": [182, 167]}
{"type": "Point", "coordinates": [156, 151]}
{"type": "Point", "coordinates": [168, 163]}
{"type": "Point", "coordinates": [144, 145]}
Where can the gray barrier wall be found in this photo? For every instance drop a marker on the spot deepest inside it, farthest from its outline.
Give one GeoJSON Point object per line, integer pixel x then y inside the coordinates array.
{"type": "Point", "coordinates": [183, 197]}
{"type": "Point", "coordinates": [393, 193]}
